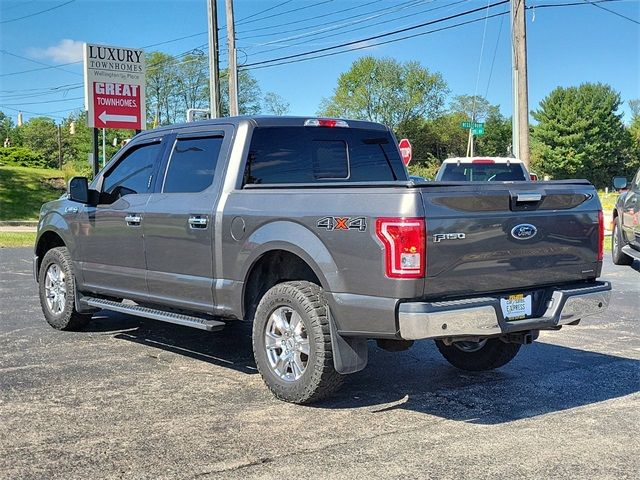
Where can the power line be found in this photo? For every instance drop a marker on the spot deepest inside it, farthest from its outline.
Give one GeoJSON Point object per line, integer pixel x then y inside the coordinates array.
{"type": "Point", "coordinates": [45, 101]}
{"type": "Point", "coordinates": [266, 10]}
{"type": "Point", "coordinates": [595, 4]}
{"type": "Point", "coordinates": [295, 22]}
{"type": "Point", "coordinates": [495, 52]}
{"type": "Point", "coordinates": [38, 13]}
{"type": "Point", "coordinates": [475, 93]}
{"type": "Point", "coordinates": [38, 63]}
{"type": "Point", "coordinates": [382, 35]}
{"type": "Point", "coordinates": [281, 13]}
{"type": "Point", "coordinates": [269, 63]}
{"type": "Point", "coordinates": [386, 21]}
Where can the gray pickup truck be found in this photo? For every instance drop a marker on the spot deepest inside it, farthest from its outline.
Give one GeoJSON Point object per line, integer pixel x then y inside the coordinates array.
{"type": "Point", "coordinates": [311, 230]}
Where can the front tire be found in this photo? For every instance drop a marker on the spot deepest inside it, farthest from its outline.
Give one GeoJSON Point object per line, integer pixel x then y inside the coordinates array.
{"type": "Point", "coordinates": [292, 343]}
{"type": "Point", "coordinates": [56, 287]}
{"type": "Point", "coordinates": [487, 354]}
{"type": "Point", "coordinates": [617, 241]}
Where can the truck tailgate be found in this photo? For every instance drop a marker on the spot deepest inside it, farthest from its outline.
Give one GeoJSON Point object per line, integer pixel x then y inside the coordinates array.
{"type": "Point", "coordinates": [493, 237]}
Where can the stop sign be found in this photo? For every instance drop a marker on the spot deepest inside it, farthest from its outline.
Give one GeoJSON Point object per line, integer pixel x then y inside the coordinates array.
{"type": "Point", "coordinates": [405, 150]}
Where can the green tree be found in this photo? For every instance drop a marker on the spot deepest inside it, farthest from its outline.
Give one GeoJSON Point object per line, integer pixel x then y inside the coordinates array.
{"type": "Point", "coordinates": [275, 104]}
{"type": "Point", "coordinates": [475, 107]}
{"type": "Point", "coordinates": [496, 141]}
{"type": "Point", "coordinates": [40, 134]}
{"type": "Point", "coordinates": [386, 91]}
{"type": "Point", "coordinates": [6, 128]}
{"type": "Point", "coordinates": [580, 134]}
{"type": "Point", "coordinates": [161, 92]}
{"type": "Point", "coordinates": [634, 132]}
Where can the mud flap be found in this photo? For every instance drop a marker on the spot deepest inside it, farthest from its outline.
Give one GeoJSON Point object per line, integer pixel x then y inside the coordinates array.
{"type": "Point", "coordinates": [350, 354]}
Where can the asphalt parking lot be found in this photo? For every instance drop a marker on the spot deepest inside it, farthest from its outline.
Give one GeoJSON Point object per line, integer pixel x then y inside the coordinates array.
{"type": "Point", "coordinates": [134, 398]}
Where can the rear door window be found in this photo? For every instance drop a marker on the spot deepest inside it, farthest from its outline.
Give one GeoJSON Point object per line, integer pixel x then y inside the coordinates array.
{"type": "Point", "coordinates": [307, 154]}
{"type": "Point", "coordinates": [192, 164]}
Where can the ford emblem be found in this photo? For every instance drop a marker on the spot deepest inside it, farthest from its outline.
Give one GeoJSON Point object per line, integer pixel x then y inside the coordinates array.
{"type": "Point", "coordinates": [524, 231]}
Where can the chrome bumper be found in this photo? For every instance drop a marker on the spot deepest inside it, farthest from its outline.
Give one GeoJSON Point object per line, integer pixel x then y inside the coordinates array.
{"type": "Point", "coordinates": [482, 317]}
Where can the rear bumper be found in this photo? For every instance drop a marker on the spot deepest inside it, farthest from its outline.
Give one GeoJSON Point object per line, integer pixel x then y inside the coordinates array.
{"type": "Point", "coordinates": [482, 317]}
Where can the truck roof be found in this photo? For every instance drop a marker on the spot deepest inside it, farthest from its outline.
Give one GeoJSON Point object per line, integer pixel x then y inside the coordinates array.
{"type": "Point", "coordinates": [476, 159]}
{"type": "Point", "coordinates": [265, 121]}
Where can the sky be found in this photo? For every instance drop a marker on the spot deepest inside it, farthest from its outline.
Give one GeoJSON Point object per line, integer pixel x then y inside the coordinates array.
{"type": "Point", "coordinates": [566, 45]}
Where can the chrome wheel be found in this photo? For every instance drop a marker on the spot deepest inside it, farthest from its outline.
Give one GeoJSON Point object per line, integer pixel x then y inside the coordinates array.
{"type": "Point", "coordinates": [55, 289]}
{"type": "Point", "coordinates": [614, 239]}
{"type": "Point", "coordinates": [470, 346]}
{"type": "Point", "coordinates": [287, 344]}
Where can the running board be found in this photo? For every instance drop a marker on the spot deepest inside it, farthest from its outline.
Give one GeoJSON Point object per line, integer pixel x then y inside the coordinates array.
{"type": "Point", "coordinates": [169, 317]}
{"type": "Point", "coordinates": [633, 253]}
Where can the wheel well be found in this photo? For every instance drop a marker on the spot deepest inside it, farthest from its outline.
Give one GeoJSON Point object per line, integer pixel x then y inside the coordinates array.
{"type": "Point", "coordinates": [272, 268]}
{"type": "Point", "coordinates": [47, 241]}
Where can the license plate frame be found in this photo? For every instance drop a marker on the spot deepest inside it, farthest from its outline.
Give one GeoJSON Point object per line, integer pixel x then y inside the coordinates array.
{"type": "Point", "coordinates": [516, 307]}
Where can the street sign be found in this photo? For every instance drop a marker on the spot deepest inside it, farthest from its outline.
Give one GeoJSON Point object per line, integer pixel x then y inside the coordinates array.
{"type": "Point", "coordinates": [471, 125]}
{"type": "Point", "coordinates": [405, 150]}
{"type": "Point", "coordinates": [114, 80]}
{"type": "Point", "coordinates": [478, 130]}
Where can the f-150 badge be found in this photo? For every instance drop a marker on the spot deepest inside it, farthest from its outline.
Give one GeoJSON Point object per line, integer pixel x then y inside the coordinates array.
{"type": "Point", "coordinates": [343, 223]}
{"type": "Point", "coordinates": [438, 237]}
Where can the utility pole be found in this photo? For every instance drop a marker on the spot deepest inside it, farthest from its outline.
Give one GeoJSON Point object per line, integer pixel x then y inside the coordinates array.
{"type": "Point", "coordinates": [520, 119]}
{"type": "Point", "coordinates": [214, 63]}
{"type": "Point", "coordinates": [104, 148]}
{"type": "Point", "coordinates": [60, 147]}
{"type": "Point", "coordinates": [232, 69]}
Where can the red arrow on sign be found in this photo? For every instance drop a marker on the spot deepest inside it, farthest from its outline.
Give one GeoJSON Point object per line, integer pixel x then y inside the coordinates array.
{"type": "Point", "coordinates": [405, 150]}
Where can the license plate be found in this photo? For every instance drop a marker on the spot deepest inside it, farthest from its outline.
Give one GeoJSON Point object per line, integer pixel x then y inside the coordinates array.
{"type": "Point", "coordinates": [516, 307]}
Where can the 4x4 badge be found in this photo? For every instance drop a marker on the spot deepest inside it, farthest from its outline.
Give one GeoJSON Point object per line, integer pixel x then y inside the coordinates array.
{"type": "Point", "coordinates": [343, 223]}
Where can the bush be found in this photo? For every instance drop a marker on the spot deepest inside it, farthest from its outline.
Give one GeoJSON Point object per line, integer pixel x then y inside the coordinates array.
{"type": "Point", "coordinates": [22, 157]}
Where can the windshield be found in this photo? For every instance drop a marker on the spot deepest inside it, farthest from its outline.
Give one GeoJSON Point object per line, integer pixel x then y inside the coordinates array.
{"type": "Point", "coordinates": [482, 172]}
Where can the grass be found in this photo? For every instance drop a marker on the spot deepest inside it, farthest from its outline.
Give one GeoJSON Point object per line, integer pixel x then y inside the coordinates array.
{"type": "Point", "coordinates": [17, 239]}
{"type": "Point", "coordinates": [23, 190]}
{"type": "Point", "coordinates": [608, 200]}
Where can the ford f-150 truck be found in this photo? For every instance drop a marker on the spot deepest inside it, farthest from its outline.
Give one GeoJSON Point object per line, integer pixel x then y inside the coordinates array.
{"type": "Point", "coordinates": [625, 238]}
{"type": "Point", "coordinates": [311, 229]}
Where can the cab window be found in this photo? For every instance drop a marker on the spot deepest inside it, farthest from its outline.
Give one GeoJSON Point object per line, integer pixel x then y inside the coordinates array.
{"type": "Point", "coordinates": [132, 174]}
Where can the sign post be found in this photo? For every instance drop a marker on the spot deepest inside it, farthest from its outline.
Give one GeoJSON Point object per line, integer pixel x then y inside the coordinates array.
{"type": "Point", "coordinates": [114, 95]}
{"type": "Point", "coordinates": [405, 150]}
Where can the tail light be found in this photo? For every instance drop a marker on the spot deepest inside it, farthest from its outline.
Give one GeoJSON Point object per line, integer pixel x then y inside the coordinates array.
{"type": "Point", "coordinates": [485, 161]}
{"type": "Point", "coordinates": [405, 250]}
{"type": "Point", "coordinates": [600, 236]}
{"type": "Point", "coordinates": [325, 122]}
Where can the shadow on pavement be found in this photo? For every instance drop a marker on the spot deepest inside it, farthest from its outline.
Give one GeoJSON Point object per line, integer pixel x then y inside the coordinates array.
{"type": "Point", "coordinates": [230, 348]}
{"type": "Point", "coordinates": [543, 378]}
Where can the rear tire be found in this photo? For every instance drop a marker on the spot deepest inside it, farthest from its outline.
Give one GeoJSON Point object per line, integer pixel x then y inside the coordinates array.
{"type": "Point", "coordinates": [292, 343]}
{"type": "Point", "coordinates": [480, 356]}
{"type": "Point", "coordinates": [56, 288]}
{"type": "Point", "coordinates": [617, 242]}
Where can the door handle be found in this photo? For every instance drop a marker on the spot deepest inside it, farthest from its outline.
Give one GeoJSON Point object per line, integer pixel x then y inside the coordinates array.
{"type": "Point", "coordinates": [133, 220]}
{"type": "Point", "coordinates": [197, 221]}
{"type": "Point", "coordinates": [528, 197]}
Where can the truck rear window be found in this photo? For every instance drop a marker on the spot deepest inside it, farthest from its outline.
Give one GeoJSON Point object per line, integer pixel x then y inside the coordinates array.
{"type": "Point", "coordinates": [311, 154]}
{"type": "Point", "coordinates": [483, 172]}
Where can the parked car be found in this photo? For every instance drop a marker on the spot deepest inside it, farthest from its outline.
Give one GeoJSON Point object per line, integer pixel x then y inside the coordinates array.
{"type": "Point", "coordinates": [484, 169]}
{"type": "Point", "coordinates": [311, 230]}
{"type": "Point", "coordinates": [625, 238]}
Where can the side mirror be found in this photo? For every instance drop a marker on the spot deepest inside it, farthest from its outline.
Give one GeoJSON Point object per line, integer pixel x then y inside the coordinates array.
{"type": "Point", "coordinates": [78, 190]}
{"type": "Point", "coordinates": [533, 177]}
{"type": "Point", "coordinates": [619, 183]}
